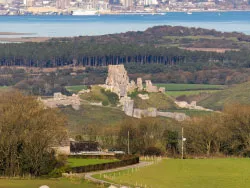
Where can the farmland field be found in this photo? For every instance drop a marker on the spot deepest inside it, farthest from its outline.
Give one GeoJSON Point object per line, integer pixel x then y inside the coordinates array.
{"type": "Point", "coordinates": [190, 92]}
{"type": "Point", "coordinates": [188, 87]}
{"type": "Point", "coordinates": [76, 88]}
{"type": "Point", "coordinates": [73, 162]}
{"type": "Point", "coordinates": [52, 183]}
{"type": "Point", "coordinates": [193, 173]}
{"type": "Point", "coordinates": [4, 88]}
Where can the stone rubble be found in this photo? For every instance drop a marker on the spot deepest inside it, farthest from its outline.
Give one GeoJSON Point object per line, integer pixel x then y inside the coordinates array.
{"type": "Point", "coordinates": [150, 87]}
{"type": "Point", "coordinates": [143, 96]}
{"type": "Point", "coordinates": [153, 112]}
{"type": "Point", "coordinates": [83, 91]}
{"type": "Point", "coordinates": [191, 106]}
{"type": "Point", "coordinates": [62, 100]}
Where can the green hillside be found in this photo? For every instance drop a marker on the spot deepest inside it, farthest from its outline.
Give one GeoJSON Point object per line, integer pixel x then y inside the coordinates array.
{"type": "Point", "coordinates": [236, 94]}
{"type": "Point", "coordinates": [95, 116]}
{"type": "Point", "coordinates": [156, 100]}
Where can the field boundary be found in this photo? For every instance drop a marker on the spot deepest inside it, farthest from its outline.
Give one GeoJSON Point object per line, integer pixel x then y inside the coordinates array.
{"type": "Point", "coordinates": [89, 176]}
{"type": "Point", "coordinates": [123, 161]}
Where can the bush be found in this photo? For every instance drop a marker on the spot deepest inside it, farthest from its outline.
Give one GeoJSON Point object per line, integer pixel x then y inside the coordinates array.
{"type": "Point", "coordinates": [105, 103]}
{"type": "Point", "coordinates": [113, 98]}
{"type": "Point", "coordinates": [153, 151]}
{"type": "Point", "coordinates": [57, 172]}
{"type": "Point", "coordinates": [135, 93]}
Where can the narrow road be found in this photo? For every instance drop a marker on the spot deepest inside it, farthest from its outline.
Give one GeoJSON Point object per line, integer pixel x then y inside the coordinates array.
{"type": "Point", "coordinates": [89, 176]}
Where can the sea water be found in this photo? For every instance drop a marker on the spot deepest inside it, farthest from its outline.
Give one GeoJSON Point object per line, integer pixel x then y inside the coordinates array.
{"type": "Point", "coordinates": [66, 26]}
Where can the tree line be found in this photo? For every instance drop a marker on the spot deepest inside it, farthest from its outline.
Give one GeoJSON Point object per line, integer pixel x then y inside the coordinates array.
{"type": "Point", "coordinates": [56, 54]}
{"type": "Point", "coordinates": [215, 134]}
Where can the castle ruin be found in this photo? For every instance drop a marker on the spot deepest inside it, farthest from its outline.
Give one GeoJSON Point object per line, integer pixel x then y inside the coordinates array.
{"type": "Point", "coordinates": [119, 83]}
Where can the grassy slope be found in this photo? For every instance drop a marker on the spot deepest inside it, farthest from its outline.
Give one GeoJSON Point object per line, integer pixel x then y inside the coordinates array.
{"type": "Point", "coordinates": [236, 94]}
{"type": "Point", "coordinates": [92, 115]}
{"type": "Point", "coordinates": [95, 95]}
{"type": "Point", "coordinates": [84, 162]}
{"type": "Point", "coordinates": [156, 100]}
{"type": "Point", "coordinates": [194, 173]}
{"type": "Point", "coordinates": [52, 183]}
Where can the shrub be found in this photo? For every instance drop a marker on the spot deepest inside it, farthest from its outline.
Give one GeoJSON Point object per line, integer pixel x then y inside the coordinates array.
{"type": "Point", "coordinates": [112, 97]}
{"type": "Point", "coordinates": [105, 103]}
{"type": "Point", "coordinates": [153, 151]}
{"type": "Point", "coordinates": [57, 172]}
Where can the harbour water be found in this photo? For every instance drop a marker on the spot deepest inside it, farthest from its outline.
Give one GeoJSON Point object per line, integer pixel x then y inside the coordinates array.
{"type": "Point", "coordinates": [65, 26]}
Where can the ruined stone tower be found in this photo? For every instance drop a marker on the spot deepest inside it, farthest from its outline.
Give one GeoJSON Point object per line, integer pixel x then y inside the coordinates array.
{"type": "Point", "coordinates": [117, 80]}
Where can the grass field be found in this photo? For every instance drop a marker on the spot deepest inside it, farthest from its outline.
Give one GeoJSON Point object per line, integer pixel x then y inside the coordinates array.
{"type": "Point", "coordinates": [76, 89]}
{"type": "Point", "coordinates": [188, 87]}
{"type": "Point", "coordinates": [190, 173]}
{"type": "Point", "coordinates": [52, 183]}
{"type": "Point", "coordinates": [73, 162]}
{"type": "Point", "coordinates": [188, 93]}
{"type": "Point", "coordinates": [4, 88]}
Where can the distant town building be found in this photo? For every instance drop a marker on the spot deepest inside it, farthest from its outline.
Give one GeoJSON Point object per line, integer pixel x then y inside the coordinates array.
{"type": "Point", "coordinates": [62, 4]}
{"type": "Point", "coordinates": [28, 3]}
{"type": "Point", "coordinates": [114, 2]}
{"type": "Point", "coordinates": [128, 3]}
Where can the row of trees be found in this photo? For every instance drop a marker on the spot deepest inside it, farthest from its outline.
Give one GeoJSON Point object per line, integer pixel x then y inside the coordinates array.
{"type": "Point", "coordinates": [56, 54]}
{"type": "Point", "coordinates": [224, 133]}
{"type": "Point", "coordinates": [216, 134]}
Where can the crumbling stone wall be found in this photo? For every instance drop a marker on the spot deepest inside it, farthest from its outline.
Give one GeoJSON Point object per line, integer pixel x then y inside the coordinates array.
{"type": "Point", "coordinates": [139, 84]}
{"type": "Point", "coordinates": [150, 112]}
{"type": "Point", "coordinates": [62, 100]}
{"type": "Point", "coordinates": [128, 106]}
{"type": "Point", "coordinates": [150, 87]}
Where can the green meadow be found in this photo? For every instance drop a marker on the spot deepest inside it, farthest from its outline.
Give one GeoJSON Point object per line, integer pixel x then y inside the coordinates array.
{"type": "Point", "coordinates": [4, 88]}
{"type": "Point", "coordinates": [176, 90]}
{"type": "Point", "coordinates": [190, 92]}
{"type": "Point", "coordinates": [187, 87]}
{"type": "Point", "coordinates": [188, 173]}
{"type": "Point", "coordinates": [76, 88]}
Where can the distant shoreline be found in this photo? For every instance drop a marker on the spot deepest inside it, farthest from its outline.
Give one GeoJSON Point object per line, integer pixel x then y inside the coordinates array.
{"type": "Point", "coordinates": [15, 33]}
{"type": "Point", "coordinates": [24, 39]}
{"type": "Point", "coordinates": [134, 13]}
